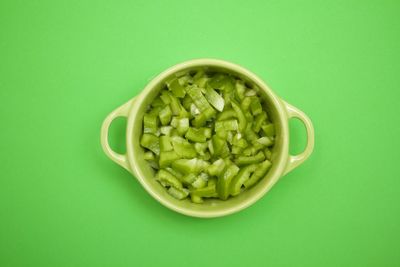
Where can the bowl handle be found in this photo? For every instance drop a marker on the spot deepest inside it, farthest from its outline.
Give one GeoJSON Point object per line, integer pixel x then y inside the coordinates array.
{"type": "Point", "coordinates": [122, 111]}
{"type": "Point", "coordinates": [295, 161]}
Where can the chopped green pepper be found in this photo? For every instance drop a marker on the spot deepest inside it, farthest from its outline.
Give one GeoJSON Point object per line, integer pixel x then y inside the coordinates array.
{"type": "Point", "coordinates": [243, 160]}
{"type": "Point", "coordinates": [242, 177]}
{"type": "Point", "coordinates": [202, 135]}
{"type": "Point", "coordinates": [260, 171]}
{"type": "Point", "coordinates": [182, 147]}
{"type": "Point", "coordinates": [195, 135]}
{"type": "Point", "coordinates": [150, 142]}
{"type": "Point", "coordinates": [225, 179]}
{"type": "Point", "coordinates": [165, 115]}
{"type": "Point", "coordinates": [167, 157]}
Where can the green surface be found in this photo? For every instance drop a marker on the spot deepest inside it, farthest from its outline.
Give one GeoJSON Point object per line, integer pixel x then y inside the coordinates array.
{"type": "Point", "coordinates": [64, 65]}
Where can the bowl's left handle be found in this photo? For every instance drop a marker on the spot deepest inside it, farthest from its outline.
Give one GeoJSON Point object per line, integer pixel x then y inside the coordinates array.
{"type": "Point", "coordinates": [122, 111]}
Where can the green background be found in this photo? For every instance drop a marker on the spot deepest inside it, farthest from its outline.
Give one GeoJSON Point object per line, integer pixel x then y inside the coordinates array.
{"type": "Point", "coordinates": [64, 65]}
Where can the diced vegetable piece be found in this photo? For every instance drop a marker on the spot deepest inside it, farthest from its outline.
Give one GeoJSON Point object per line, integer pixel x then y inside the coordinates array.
{"type": "Point", "coordinates": [242, 177]}
{"type": "Point", "coordinates": [157, 102]}
{"type": "Point", "coordinates": [268, 129]}
{"type": "Point", "coordinates": [256, 107]}
{"type": "Point", "coordinates": [242, 160]}
{"type": "Point", "coordinates": [167, 157]}
{"type": "Point", "coordinates": [201, 148]}
{"type": "Point", "coordinates": [166, 130]}
{"type": "Point", "coordinates": [224, 180]}
{"type": "Point", "coordinates": [208, 191]}
{"type": "Point", "coordinates": [187, 166]}
{"type": "Point", "coordinates": [200, 182]}
{"type": "Point", "coordinates": [216, 168]}
{"type": "Point", "coordinates": [196, 199]}
{"type": "Point", "coordinates": [218, 145]}
{"type": "Point", "coordinates": [168, 178]}
{"type": "Point", "coordinates": [267, 153]}
{"type": "Point", "coordinates": [218, 81]}
{"type": "Point", "coordinates": [149, 155]}
{"type": "Point", "coordinates": [260, 171]}
{"type": "Point", "coordinates": [236, 150]}
{"type": "Point", "coordinates": [175, 173]}
{"type": "Point", "coordinates": [228, 125]}
{"type": "Point", "coordinates": [178, 193]}
{"type": "Point", "coordinates": [199, 100]}
{"type": "Point", "coordinates": [214, 98]}
{"type": "Point", "coordinates": [240, 89]}
{"type": "Point", "coordinates": [240, 115]}
{"type": "Point", "coordinates": [150, 142]}
{"type": "Point", "coordinates": [165, 143]}
{"type": "Point", "coordinates": [182, 147]}
{"type": "Point", "coordinates": [150, 124]}
{"type": "Point", "coordinates": [260, 119]}
{"type": "Point", "coordinates": [226, 114]}
{"type": "Point", "coordinates": [195, 135]}
{"type": "Point", "coordinates": [176, 88]}
{"type": "Point", "coordinates": [189, 178]}
{"type": "Point", "coordinates": [245, 105]}
{"type": "Point", "coordinates": [265, 141]}
{"type": "Point", "coordinates": [165, 115]}
{"type": "Point", "coordinates": [165, 97]}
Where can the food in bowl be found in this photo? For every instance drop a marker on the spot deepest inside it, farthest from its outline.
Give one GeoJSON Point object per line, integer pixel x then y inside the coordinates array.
{"type": "Point", "coordinates": [207, 135]}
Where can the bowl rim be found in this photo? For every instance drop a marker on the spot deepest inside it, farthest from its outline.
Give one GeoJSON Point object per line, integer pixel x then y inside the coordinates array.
{"type": "Point", "coordinates": [203, 62]}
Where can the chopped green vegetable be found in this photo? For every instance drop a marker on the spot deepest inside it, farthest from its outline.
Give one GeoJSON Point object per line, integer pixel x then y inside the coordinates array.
{"type": "Point", "coordinates": [165, 115]}
{"type": "Point", "coordinates": [260, 171]}
{"type": "Point", "coordinates": [225, 179]}
{"type": "Point", "coordinates": [150, 142]}
{"type": "Point", "coordinates": [207, 135]}
{"type": "Point", "coordinates": [242, 177]}
{"type": "Point", "coordinates": [167, 157]}
{"type": "Point", "coordinates": [214, 99]}
{"type": "Point", "coordinates": [241, 160]}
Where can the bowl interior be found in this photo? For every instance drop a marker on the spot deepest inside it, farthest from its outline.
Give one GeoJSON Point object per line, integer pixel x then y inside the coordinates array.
{"type": "Point", "coordinates": [210, 207]}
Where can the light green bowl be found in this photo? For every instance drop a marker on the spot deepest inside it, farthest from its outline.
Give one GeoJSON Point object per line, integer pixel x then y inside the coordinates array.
{"type": "Point", "coordinates": [279, 111]}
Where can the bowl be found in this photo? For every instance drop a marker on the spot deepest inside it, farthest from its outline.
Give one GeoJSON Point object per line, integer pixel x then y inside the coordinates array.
{"type": "Point", "coordinates": [279, 111]}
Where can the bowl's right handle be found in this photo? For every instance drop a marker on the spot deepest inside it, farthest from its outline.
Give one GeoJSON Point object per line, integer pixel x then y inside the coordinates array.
{"type": "Point", "coordinates": [122, 111]}
{"type": "Point", "coordinates": [295, 161]}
